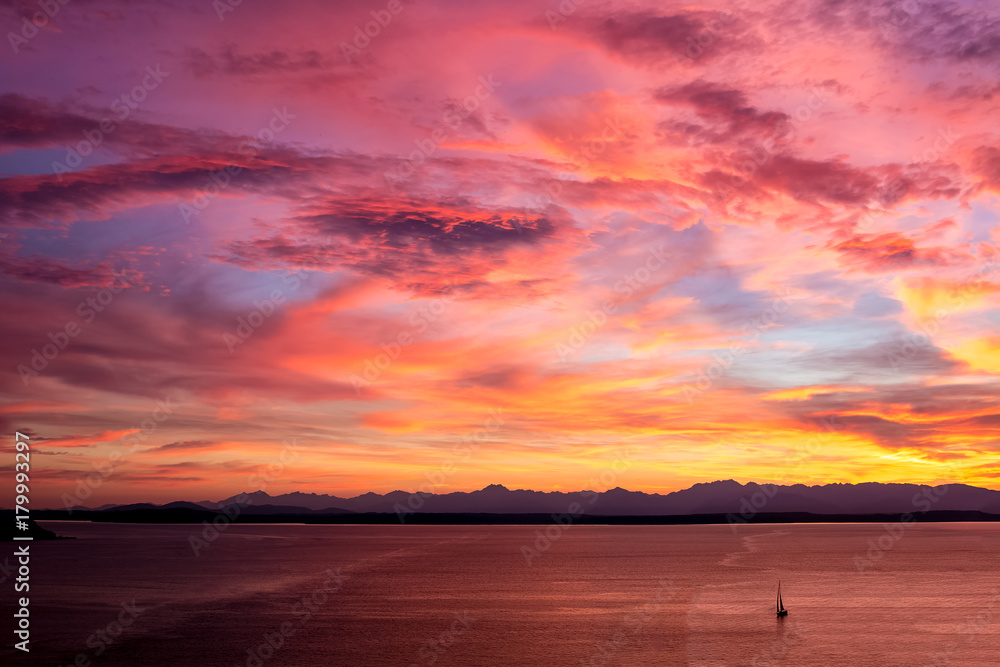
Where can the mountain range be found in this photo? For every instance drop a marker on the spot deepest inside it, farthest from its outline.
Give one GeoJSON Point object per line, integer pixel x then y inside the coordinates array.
{"type": "Point", "coordinates": [725, 496]}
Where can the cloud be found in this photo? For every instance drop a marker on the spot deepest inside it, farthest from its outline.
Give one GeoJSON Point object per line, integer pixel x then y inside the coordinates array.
{"type": "Point", "coordinates": [645, 37]}
{"type": "Point", "coordinates": [872, 305]}
{"type": "Point", "coordinates": [430, 246]}
{"type": "Point", "coordinates": [36, 123]}
{"type": "Point", "coordinates": [627, 131]}
{"type": "Point", "coordinates": [46, 269]}
{"type": "Point", "coordinates": [185, 446]}
{"type": "Point", "coordinates": [83, 440]}
{"type": "Point", "coordinates": [278, 61]}
{"type": "Point", "coordinates": [892, 252]}
{"type": "Point", "coordinates": [726, 110]}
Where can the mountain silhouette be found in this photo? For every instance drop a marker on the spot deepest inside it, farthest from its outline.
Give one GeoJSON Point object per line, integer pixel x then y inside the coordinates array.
{"type": "Point", "coordinates": [722, 496]}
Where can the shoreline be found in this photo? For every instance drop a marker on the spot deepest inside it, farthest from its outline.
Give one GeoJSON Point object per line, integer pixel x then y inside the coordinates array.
{"type": "Point", "coordinates": [172, 516]}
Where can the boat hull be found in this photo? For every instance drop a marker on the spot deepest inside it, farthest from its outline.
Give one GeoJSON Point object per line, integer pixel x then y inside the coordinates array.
{"type": "Point", "coordinates": [783, 613]}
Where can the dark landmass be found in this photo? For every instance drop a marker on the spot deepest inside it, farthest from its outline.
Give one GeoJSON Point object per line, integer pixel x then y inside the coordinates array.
{"type": "Point", "coordinates": [719, 497]}
{"type": "Point", "coordinates": [248, 515]}
{"type": "Point", "coordinates": [34, 531]}
{"type": "Point", "coordinates": [232, 510]}
{"type": "Point", "coordinates": [683, 519]}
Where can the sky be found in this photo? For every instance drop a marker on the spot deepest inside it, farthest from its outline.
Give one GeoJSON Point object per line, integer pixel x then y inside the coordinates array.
{"type": "Point", "coordinates": [367, 246]}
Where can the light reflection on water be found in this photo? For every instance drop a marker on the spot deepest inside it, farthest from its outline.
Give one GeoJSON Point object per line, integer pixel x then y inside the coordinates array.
{"type": "Point", "coordinates": [465, 595]}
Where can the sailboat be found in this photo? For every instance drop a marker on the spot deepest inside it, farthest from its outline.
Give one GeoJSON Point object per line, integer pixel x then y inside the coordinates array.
{"type": "Point", "coordinates": [781, 608]}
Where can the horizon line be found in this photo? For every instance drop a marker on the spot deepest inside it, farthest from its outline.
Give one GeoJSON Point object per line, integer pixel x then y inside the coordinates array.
{"type": "Point", "coordinates": [505, 488]}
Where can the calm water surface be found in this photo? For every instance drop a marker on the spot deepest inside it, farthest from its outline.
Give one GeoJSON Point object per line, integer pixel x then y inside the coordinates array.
{"type": "Point", "coordinates": [461, 595]}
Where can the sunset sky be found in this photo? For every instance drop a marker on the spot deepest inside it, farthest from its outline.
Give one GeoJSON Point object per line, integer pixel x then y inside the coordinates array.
{"type": "Point", "coordinates": [736, 240]}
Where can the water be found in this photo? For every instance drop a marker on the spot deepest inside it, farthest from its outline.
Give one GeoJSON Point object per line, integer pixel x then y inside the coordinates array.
{"type": "Point", "coordinates": [598, 595]}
